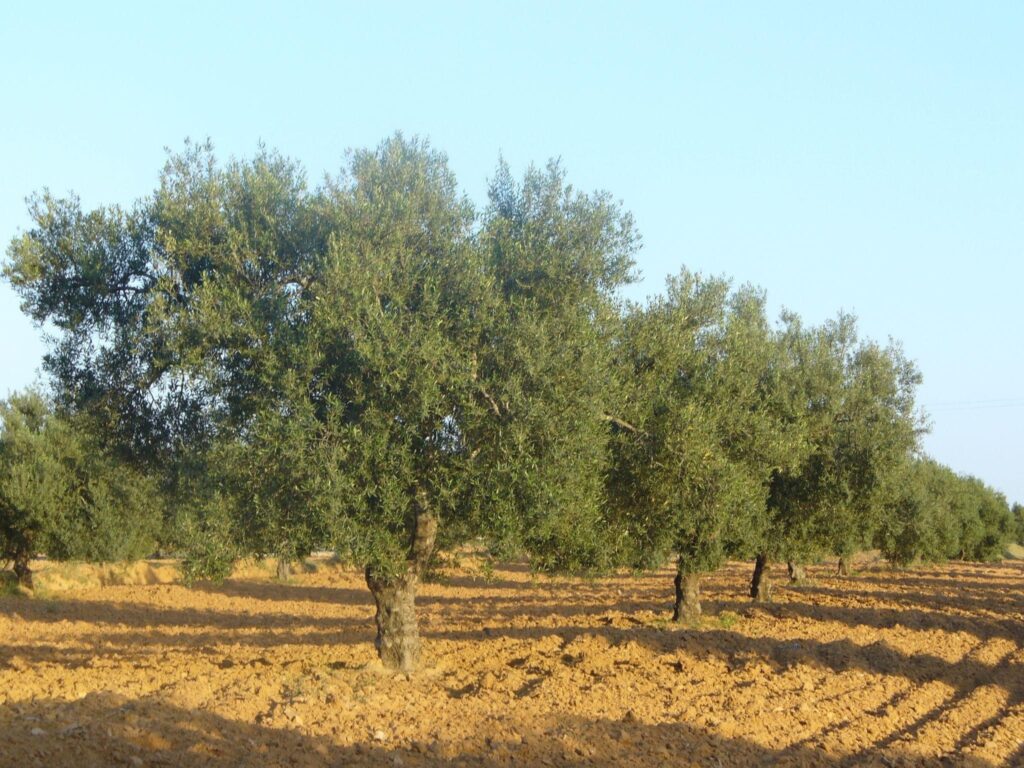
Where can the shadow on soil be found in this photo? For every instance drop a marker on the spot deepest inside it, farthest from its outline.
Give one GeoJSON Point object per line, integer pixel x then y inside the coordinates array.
{"type": "Point", "coordinates": [104, 729]}
{"type": "Point", "coordinates": [132, 630]}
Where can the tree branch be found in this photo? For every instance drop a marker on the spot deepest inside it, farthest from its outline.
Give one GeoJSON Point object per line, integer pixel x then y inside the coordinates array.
{"type": "Point", "coordinates": [622, 424]}
{"type": "Point", "coordinates": [493, 403]}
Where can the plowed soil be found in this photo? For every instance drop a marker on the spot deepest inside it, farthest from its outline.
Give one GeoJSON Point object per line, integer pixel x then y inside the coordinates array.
{"type": "Point", "coordinates": [924, 667]}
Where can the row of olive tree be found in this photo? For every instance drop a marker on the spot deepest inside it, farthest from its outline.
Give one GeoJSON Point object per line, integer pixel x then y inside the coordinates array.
{"type": "Point", "coordinates": [747, 440]}
{"type": "Point", "coordinates": [372, 365]}
{"type": "Point", "coordinates": [1017, 512]}
{"type": "Point", "coordinates": [934, 514]}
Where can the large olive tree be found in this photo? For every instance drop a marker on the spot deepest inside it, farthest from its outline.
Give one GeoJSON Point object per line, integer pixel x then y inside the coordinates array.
{"type": "Point", "coordinates": [368, 364]}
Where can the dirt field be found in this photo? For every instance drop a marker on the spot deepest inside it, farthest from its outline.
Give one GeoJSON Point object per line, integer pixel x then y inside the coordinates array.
{"type": "Point", "coordinates": [919, 668]}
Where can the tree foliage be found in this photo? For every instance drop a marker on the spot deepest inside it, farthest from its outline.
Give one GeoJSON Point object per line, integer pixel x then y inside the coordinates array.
{"type": "Point", "coordinates": [936, 515]}
{"type": "Point", "coordinates": [855, 401]}
{"type": "Point", "coordinates": [373, 365]}
{"type": "Point", "coordinates": [703, 429]}
{"type": "Point", "coordinates": [61, 496]}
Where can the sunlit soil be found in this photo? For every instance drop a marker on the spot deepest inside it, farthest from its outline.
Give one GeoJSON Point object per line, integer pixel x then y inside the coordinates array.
{"type": "Point", "coordinates": [924, 667]}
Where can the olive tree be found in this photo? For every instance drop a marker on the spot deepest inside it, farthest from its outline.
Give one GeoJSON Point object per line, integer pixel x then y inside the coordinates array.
{"type": "Point", "coordinates": [33, 490]}
{"type": "Point", "coordinates": [61, 495]}
{"type": "Point", "coordinates": [1017, 513]}
{"type": "Point", "coordinates": [808, 380]}
{"type": "Point", "coordinates": [986, 521]}
{"type": "Point", "coordinates": [543, 397]}
{"type": "Point", "coordinates": [702, 431]}
{"type": "Point", "coordinates": [919, 520]}
{"type": "Point", "coordinates": [368, 364]}
{"type": "Point", "coordinates": [936, 515]}
{"type": "Point", "coordinates": [874, 433]}
{"type": "Point", "coordinates": [856, 403]}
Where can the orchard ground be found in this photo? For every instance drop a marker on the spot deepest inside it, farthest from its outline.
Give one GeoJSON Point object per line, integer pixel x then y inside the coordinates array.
{"type": "Point", "coordinates": [124, 666]}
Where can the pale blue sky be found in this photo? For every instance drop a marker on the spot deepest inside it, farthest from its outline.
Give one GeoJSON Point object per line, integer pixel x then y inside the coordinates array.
{"type": "Point", "coordinates": [866, 156]}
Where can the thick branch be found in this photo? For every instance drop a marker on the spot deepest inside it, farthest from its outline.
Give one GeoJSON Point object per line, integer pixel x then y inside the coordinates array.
{"type": "Point", "coordinates": [495, 408]}
{"type": "Point", "coordinates": [622, 424]}
{"type": "Point", "coordinates": [424, 536]}
{"type": "Point", "coordinates": [493, 403]}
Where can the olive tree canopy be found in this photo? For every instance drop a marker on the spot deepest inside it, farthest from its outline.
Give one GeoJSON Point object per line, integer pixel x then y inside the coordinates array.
{"type": "Point", "coordinates": [369, 364]}
{"type": "Point", "coordinates": [705, 428]}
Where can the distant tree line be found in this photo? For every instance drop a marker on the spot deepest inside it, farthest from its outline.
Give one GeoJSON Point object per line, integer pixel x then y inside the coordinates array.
{"type": "Point", "coordinates": [245, 364]}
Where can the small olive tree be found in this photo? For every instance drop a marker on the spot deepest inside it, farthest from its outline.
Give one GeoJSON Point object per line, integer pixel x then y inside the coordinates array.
{"type": "Point", "coordinates": [935, 514]}
{"type": "Point", "coordinates": [61, 495]}
{"type": "Point", "coordinates": [1017, 513]}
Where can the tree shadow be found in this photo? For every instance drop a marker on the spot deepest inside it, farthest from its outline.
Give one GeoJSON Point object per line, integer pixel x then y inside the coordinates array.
{"type": "Point", "coordinates": [992, 598]}
{"type": "Point", "coordinates": [552, 604]}
{"type": "Point", "coordinates": [144, 616]}
{"type": "Point", "coordinates": [567, 609]}
{"type": "Point", "coordinates": [914, 580]}
{"type": "Point", "coordinates": [884, 618]}
{"type": "Point", "coordinates": [737, 652]}
{"type": "Point", "coordinates": [104, 729]}
{"type": "Point", "coordinates": [286, 592]}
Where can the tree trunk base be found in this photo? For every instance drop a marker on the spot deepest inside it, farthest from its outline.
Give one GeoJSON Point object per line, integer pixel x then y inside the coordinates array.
{"type": "Point", "coordinates": [761, 583]}
{"type": "Point", "coordinates": [284, 569]}
{"type": "Point", "coordinates": [24, 573]}
{"type": "Point", "coordinates": [398, 636]}
{"type": "Point", "coordinates": [687, 607]}
{"type": "Point", "coordinates": [797, 574]}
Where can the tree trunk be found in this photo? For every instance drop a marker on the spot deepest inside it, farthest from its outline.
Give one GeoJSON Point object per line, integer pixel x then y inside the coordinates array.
{"type": "Point", "coordinates": [797, 574]}
{"type": "Point", "coordinates": [22, 571]}
{"type": "Point", "coordinates": [398, 635]}
{"type": "Point", "coordinates": [284, 569]}
{"type": "Point", "coordinates": [844, 566]}
{"type": "Point", "coordinates": [687, 607]}
{"type": "Point", "coordinates": [761, 583]}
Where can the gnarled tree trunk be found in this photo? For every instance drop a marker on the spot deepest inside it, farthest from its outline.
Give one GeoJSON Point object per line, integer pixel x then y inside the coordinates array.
{"type": "Point", "coordinates": [761, 583]}
{"type": "Point", "coordinates": [284, 569]}
{"type": "Point", "coordinates": [844, 566]}
{"type": "Point", "coordinates": [797, 574]}
{"type": "Point", "coordinates": [687, 606]}
{"type": "Point", "coordinates": [22, 570]}
{"type": "Point", "coordinates": [398, 635]}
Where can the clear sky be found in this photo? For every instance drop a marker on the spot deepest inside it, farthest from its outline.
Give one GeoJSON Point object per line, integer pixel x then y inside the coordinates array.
{"type": "Point", "coordinates": [864, 156]}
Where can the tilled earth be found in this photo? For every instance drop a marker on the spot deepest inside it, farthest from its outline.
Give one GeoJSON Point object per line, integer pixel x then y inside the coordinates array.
{"type": "Point", "coordinates": [924, 667]}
